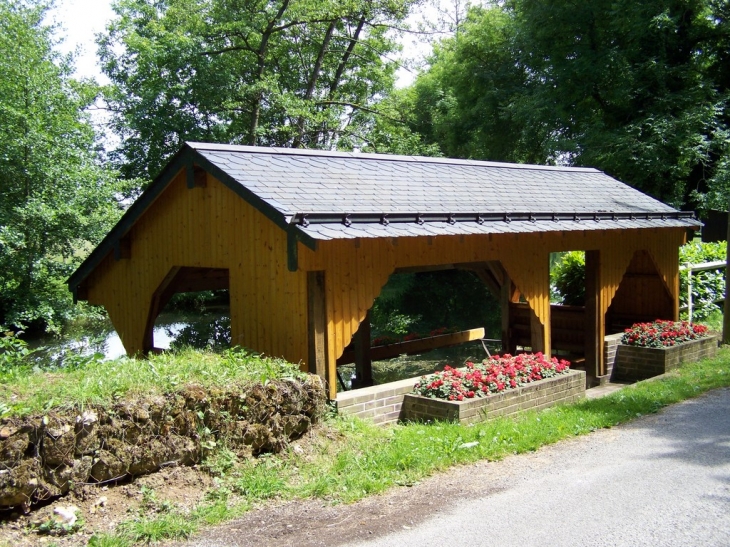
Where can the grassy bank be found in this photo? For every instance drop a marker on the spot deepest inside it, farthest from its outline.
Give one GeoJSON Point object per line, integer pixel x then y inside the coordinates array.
{"type": "Point", "coordinates": [25, 389]}
{"type": "Point", "coordinates": [351, 459]}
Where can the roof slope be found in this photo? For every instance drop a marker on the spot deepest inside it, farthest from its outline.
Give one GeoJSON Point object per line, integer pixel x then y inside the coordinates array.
{"type": "Point", "coordinates": [345, 195]}
{"type": "Point", "coordinates": [319, 195]}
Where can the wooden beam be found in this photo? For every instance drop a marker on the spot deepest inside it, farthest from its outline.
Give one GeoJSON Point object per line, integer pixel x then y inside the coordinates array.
{"type": "Point", "coordinates": [507, 296]}
{"type": "Point", "coordinates": [497, 270]}
{"type": "Point", "coordinates": [200, 279]}
{"type": "Point", "coordinates": [416, 346]}
{"type": "Point", "coordinates": [292, 250]}
{"type": "Point", "coordinates": [123, 248]}
{"type": "Point", "coordinates": [594, 318]}
{"type": "Point", "coordinates": [197, 177]}
{"type": "Point", "coordinates": [363, 359]}
{"type": "Point", "coordinates": [420, 269]}
{"type": "Point", "coordinates": [317, 330]}
{"type": "Point", "coordinates": [537, 334]}
{"type": "Point", "coordinates": [485, 276]}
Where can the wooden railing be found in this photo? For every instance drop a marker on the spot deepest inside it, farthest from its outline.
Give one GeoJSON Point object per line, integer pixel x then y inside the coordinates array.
{"type": "Point", "coordinates": [420, 345]}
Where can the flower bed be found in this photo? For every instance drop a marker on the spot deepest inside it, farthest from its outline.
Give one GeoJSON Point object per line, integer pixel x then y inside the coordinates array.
{"type": "Point", "coordinates": [651, 349]}
{"type": "Point", "coordinates": [663, 333]}
{"type": "Point", "coordinates": [499, 386]}
{"type": "Point", "coordinates": [491, 376]}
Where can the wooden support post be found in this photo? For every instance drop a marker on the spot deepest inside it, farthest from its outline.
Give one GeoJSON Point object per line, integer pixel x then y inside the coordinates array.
{"type": "Point", "coordinates": [537, 334]}
{"type": "Point", "coordinates": [363, 362]}
{"type": "Point", "coordinates": [317, 327]}
{"type": "Point", "coordinates": [595, 320]}
{"type": "Point", "coordinates": [508, 295]}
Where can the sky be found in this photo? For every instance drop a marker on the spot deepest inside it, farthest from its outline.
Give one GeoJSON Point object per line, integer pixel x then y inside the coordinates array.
{"type": "Point", "coordinates": [81, 20]}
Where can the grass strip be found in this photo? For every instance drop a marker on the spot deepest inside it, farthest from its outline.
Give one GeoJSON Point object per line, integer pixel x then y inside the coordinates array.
{"type": "Point", "coordinates": [26, 391]}
{"type": "Point", "coordinates": [356, 458]}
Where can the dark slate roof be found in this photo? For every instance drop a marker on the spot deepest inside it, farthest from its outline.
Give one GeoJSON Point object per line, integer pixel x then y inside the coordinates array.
{"type": "Point", "coordinates": [330, 195]}
{"type": "Point", "coordinates": [319, 195]}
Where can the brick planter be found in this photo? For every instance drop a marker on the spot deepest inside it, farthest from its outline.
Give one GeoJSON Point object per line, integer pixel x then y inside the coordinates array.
{"type": "Point", "coordinates": [637, 363]}
{"type": "Point", "coordinates": [564, 388]}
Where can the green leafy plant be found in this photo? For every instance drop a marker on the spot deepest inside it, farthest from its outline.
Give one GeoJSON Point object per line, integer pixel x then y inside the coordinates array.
{"type": "Point", "coordinates": [14, 351]}
{"type": "Point", "coordinates": [662, 333]}
{"type": "Point", "coordinates": [568, 278]}
{"type": "Point", "coordinates": [55, 526]}
{"type": "Point", "coordinates": [708, 286]}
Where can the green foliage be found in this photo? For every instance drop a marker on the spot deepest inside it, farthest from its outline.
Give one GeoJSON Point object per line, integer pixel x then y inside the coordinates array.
{"type": "Point", "coordinates": [568, 277]}
{"type": "Point", "coordinates": [55, 197]}
{"type": "Point", "coordinates": [637, 89]}
{"type": "Point", "coordinates": [259, 480]}
{"type": "Point", "coordinates": [425, 301]}
{"type": "Point", "coordinates": [14, 352]}
{"type": "Point", "coordinates": [214, 335]}
{"type": "Point", "coordinates": [280, 73]}
{"type": "Point", "coordinates": [708, 286]}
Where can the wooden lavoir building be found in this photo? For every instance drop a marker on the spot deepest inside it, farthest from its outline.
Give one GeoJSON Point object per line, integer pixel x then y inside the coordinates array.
{"type": "Point", "coordinates": [305, 240]}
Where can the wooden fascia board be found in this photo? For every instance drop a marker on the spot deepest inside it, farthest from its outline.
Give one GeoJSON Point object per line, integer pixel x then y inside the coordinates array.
{"type": "Point", "coordinates": [130, 216]}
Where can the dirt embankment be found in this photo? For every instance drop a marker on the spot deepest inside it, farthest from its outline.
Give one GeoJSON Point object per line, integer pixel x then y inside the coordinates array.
{"type": "Point", "coordinates": [44, 456]}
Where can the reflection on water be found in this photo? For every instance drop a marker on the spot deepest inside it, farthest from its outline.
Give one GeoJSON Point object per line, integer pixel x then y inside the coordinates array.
{"type": "Point", "coordinates": [171, 330]}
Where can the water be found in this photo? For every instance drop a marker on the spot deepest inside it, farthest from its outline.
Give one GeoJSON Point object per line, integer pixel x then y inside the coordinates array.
{"type": "Point", "coordinates": [198, 330]}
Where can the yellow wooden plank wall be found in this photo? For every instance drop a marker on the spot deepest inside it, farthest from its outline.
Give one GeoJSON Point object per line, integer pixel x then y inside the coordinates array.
{"type": "Point", "coordinates": [212, 227]}
{"type": "Point", "coordinates": [209, 227]}
{"type": "Point", "coordinates": [356, 270]}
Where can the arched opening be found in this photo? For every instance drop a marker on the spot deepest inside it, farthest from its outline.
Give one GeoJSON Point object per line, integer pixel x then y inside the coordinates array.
{"type": "Point", "coordinates": [423, 319]}
{"type": "Point", "coordinates": [183, 279]}
{"type": "Point", "coordinates": [642, 295]}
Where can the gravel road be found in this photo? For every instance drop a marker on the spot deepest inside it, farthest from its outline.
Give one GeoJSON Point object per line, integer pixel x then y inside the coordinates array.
{"type": "Point", "coordinates": [663, 480]}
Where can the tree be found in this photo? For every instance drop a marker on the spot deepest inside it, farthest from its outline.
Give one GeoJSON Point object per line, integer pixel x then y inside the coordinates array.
{"type": "Point", "coordinates": [637, 89]}
{"type": "Point", "coordinates": [55, 198]}
{"type": "Point", "coordinates": [300, 73]}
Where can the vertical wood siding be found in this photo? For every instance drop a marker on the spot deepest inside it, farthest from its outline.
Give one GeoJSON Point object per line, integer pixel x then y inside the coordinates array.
{"type": "Point", "coordinates": [212, 227]}
{"type": "Point", "coordinates": [209, 227]}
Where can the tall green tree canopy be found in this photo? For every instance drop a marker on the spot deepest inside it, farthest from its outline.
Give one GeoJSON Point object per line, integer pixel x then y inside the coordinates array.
{"type": "Point", "coordinates": [637, 89]}
{"type": "Point", "coordinates": [264, 72]}
{"type": "Point", "coordinates": [55, 199]}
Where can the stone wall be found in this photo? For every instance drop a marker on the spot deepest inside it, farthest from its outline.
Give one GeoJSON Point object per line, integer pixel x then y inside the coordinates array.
{"type": "Point", "coordinates": [43, 456]}
{"type": "Point", "coordinates": [565, 388]}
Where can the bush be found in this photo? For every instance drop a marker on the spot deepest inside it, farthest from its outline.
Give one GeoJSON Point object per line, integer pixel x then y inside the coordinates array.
{"type": "Point", "coordinates": [568, 278]}
{"type": "Point", "coordinates": [707, 286]}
